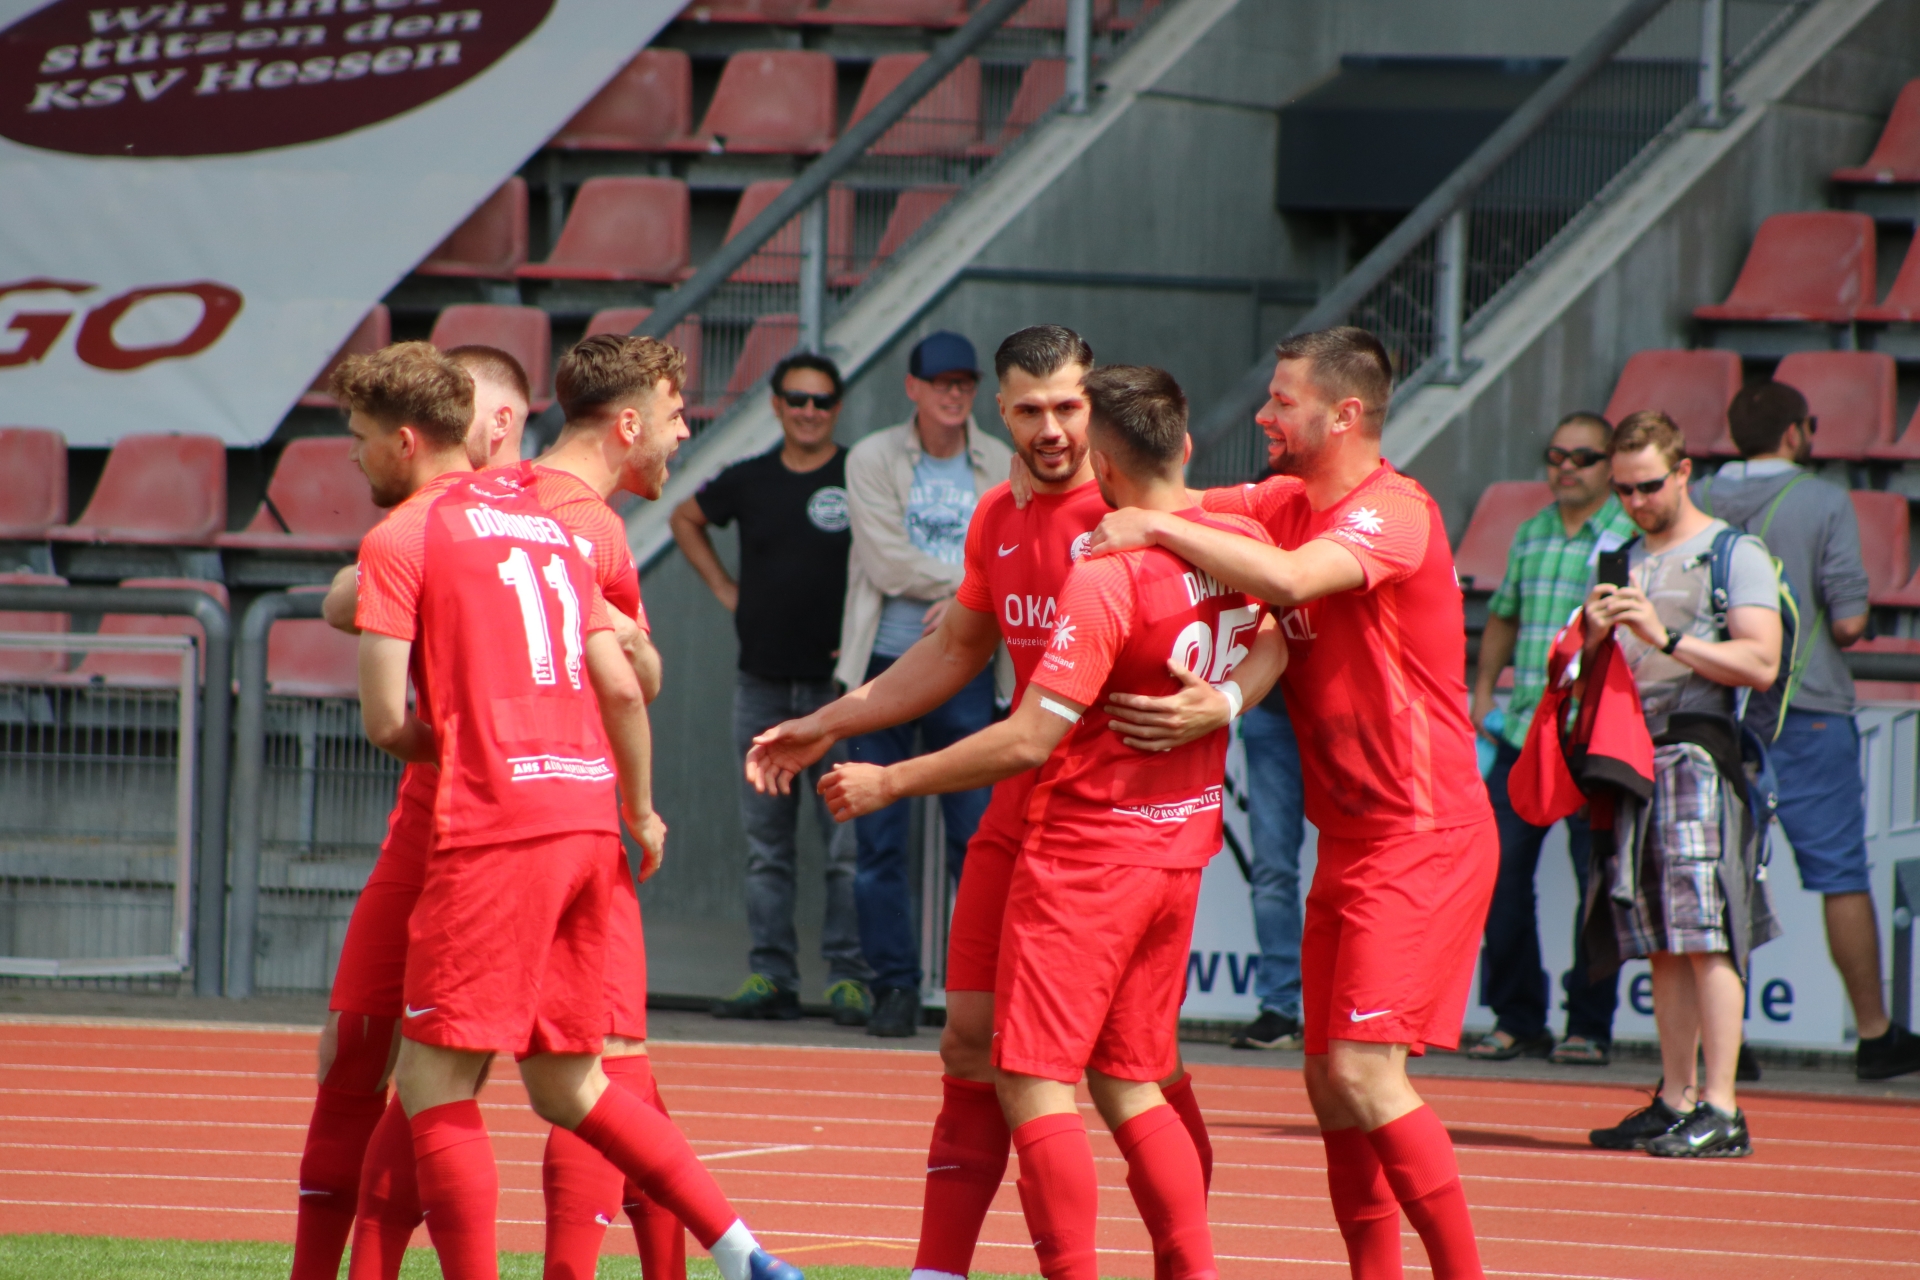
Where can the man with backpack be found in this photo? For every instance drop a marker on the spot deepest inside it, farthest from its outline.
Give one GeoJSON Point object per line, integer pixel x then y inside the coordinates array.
{"type": "Point", "coordinates": [1807, 719]}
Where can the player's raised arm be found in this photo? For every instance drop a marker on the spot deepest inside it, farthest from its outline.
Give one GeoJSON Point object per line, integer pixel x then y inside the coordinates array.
{"type": "Point", "coordinates": [390, 725]}
{"type": "Point", "coordinates": [623, 712]}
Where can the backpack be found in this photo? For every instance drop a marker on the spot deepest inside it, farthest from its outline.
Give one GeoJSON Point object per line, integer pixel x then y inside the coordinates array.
{"type": "Point", "coordinates": [1766, 710]}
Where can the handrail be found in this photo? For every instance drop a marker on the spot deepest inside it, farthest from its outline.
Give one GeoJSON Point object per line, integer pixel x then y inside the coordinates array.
{"type": "Point", "coordinates": [813, 180]}
{"type": "Point", "coordinates": [249, 767]}
{"type": "Point", "coordinates": [210, 849]}
{"type": "Point", "coordinates": [1250, 391]}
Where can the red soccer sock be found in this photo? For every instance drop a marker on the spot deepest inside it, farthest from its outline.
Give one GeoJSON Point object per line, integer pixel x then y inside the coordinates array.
{"type": "Point", "coordinates": [1179, 1096]}
{"type": "Point", "coordinates": [965, 1165]}
{"type": "Point", "coordinates": [1163, 1172]}
{"type": "Point", "coordinates": [582, 1193]}
{"type": "Point", "coordinates": [389, 1200]}
{"type": "Point", "coordinates": [1060, 1195]}
{"type": "Point", "coordinates": [1363, 1205]}
{"type": "Point", "coordinates": [1417, 1156]}
{"type": "Point", "coordinates": [344, 1115]}
{"type": "Point", "coordinates": [652, 1151]}
{"type": "Point", "coordinates": [658, 1235]}
{"type": "Point", "coordinates": [459, 1188]}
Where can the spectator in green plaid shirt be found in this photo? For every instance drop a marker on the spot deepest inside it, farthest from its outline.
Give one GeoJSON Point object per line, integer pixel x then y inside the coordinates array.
{"type": "Point", "coordinates": [1549, 571]}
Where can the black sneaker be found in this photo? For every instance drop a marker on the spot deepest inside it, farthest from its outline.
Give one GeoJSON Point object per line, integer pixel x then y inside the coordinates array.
{"type": "Point", "coordinates": [1640, 1127]}
{"type": "Point", "coordinates": [851, 1004]}
{"type": "Point", "coordinates": [758, 997]}
{"type": "Point", "coordinates": [1894, 1053]}
{"type": "Point", "coordinates": [1268, 1031]}
{"type": "Point", "coordinates": [896, 1012]}
{"type": "Point", "coordinates": [1708, 1131]}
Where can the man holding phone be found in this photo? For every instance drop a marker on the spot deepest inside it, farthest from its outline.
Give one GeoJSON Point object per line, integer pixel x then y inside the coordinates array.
{"type": "Point", "coordinates": [1556, 557]}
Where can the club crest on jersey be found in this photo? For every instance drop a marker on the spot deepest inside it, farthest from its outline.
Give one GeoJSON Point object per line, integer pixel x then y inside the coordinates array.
{"type": "Point", "coordinates": [488, 523]}
{"type": "Point", "coordinates": [1080, 547]}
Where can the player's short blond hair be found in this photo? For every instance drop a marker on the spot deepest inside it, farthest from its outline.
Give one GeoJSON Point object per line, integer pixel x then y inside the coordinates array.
{"type": "Point", "coordinates": [409, 384]}
{"type": "Point", "coordinates": [494, 364]}
{"type": "Point", "coordinates": [1650, 428]}
{"type": "Point", "coordinates": [610, 369]}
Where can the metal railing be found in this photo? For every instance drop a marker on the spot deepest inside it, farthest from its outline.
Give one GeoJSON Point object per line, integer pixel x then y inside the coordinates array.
{"type": "Point", "coordinates": [1442, 272]}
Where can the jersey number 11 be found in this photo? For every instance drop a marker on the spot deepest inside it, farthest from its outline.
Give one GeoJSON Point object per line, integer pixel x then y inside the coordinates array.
{"type": "Point", "coordinates": [517, 572]}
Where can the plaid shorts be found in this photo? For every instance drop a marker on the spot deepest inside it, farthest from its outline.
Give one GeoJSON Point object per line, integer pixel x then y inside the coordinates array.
{"type": "Point", "coordinates": [1678, 905]}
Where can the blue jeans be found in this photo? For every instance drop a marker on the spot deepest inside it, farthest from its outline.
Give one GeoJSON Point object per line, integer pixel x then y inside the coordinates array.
{"type": "Point", "coordinates": [1822, 800]}
{"type": "Point", "coordinates": [881, 883]}
{"type": "Point", "coordinates": [1512, 982]}
{"type": "Point", "coordinates": [1276, 809]}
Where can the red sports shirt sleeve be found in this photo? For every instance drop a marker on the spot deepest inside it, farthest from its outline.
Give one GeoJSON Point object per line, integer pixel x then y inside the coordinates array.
{"type": "Point", "coordinates": [973, 591]}
{"type": "Point", "coordinates": [1261, 502]}
{"type": "Point", "coordinates": [392, 566]}
{"type": "Point", "coordinates": [1093, 621]}
{"type": "Point", "coordinates": [598, 619]}
{"type": "Point", "coordinates": [1386, 532]}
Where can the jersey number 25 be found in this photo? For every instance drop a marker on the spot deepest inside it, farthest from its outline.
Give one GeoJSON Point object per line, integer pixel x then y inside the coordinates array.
{"type": "Point", "coordinates": [1213, 660]}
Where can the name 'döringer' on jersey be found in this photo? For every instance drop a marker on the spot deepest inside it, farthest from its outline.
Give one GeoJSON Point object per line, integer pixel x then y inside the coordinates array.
{"type": "Point", "coordinates": [488, 523]}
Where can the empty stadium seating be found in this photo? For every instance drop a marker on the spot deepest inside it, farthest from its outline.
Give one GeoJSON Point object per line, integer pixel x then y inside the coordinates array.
{"type": "Point", "coordinates": [744, 10]}
{"type": "Point", "coordinates": [1902, 303]}
{"type": "Point", "coordinates": [491, 243]}
{"type": "Point", "coordinates": [1051, 15]}
{"type": "Point", "coordinates": [1803, 267]}
{"type": "Point", "coordinates": [524, 332]}
{"type": "Point", "coordinates": [306, 658]}
{"type": "Point", "coordinates": [780, 101]}
{"type": "Point", "coordinates": [1883, 540]}
{"type": "Point", "coordinates": [146, 670]}
{"type": "Point", "coordinates": [1896, 156]}
{"type": "Point", "coordinates": [910, 213]}
{"type": "Point", "coordinates": [34, 497]}
{"type": "Point", "coordinates": [374, 331]}
{"type": "Point", "coordinates": [623, 229]}
{"type": "Point", "coordinates": [893, 13]}
{"type": "Point", "coordinates": [1691, 387]}
{"type": "Point", "coordinates": [1481, 559]}
{"type": "Point", "coordinates": [318, 500]}
{"type": "Point", "coordinates": [160, 490]}
{"type": "Point", "coordinates": [1041, 85]}
{"type": "Point", "coordinates": [685, 336]}
{"type": "Point", "coordinates": [1852, 395]}
{"type": "Point", "coordinates": [946, 121]}
{"type": "Point", "coordinates": [770, 339]}
{"type": "Point", "coordinates": [1904, 449]}
{"type": "Point", "coordinates": [648, 106]}
{"type": "Point", "coordinates": [778, 260]}
{"type": "Point", "coordinates": [31, 664]}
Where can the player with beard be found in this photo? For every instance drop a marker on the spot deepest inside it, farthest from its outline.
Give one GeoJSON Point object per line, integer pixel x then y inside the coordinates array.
{"type": "Point", "coordinates": [1408, 849]}
{"type": "Point", "coordinates": [1016, 562]}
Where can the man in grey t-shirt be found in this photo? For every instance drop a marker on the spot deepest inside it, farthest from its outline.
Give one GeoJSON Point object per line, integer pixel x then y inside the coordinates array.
{"type": "Point", "coordinates": [1809, 526]}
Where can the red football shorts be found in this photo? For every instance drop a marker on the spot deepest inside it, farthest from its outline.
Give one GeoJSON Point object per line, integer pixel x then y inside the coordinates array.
{"type": "Point", "coordinates": [508, 946]}
{"type": "Point", "coordinates": [626, 957]}
{"type": "Point", "coordinates": [980, 906]}
{"type": "Point", "coordinates": [373, 959]}
{"type": "Point", "coordinates": [1392, 931]}
{"type": "Point", "coordinates": [1093, 967]}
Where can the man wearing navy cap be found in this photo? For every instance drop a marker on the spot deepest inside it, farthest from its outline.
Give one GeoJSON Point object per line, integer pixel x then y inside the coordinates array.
{"type": "Point", "coordinates": [911, 490]}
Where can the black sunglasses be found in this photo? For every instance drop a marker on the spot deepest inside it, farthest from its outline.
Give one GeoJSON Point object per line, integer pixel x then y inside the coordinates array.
{"type": "Point", "coordinates": [1646, 488]}
{"type": "Point", "coordinates": [1581, 458]}
{"type": "Point", "coordinates": [801, 399]}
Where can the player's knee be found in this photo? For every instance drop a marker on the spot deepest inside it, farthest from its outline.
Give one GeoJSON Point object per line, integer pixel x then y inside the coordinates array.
{"type": "Point", "coordinates": [966, 1048]}
{"type": "Point", "coordinates": [1348, 1079]}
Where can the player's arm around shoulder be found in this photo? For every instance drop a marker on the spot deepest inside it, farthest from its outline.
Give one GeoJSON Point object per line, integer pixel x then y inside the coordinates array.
{"type": "Point", "coordinates": [390, 725]}
{"type": "Point", "coordinates": [1246, 561]}
{"type": "Point", "coordinates": [623, 713]}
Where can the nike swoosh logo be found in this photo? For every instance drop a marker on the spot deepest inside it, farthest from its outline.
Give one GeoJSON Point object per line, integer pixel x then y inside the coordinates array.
{"type": "Point", "coordinates": [1358, 1016]}
{"type": "Point", "coordinates": [1007, 551]}
{"type": "Point", "coordinates": [305, 1192]}
{"type": "Point", "coordinates": [941, 1168]}
{"type": "Point", "coordinates": [603, 1219]}
{"type": "Point", "coordinates": [412, 1012]}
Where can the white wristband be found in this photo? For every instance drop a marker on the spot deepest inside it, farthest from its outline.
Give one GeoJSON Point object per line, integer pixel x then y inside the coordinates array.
{"type": "Point", "coordinates": [1236, 700]}
{"type": "Point", "coordinates": [1060, 709]}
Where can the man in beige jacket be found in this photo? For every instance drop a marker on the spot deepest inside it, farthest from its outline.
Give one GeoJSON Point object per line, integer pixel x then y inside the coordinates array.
{"type": "Point", "coordinates": [911, 490]}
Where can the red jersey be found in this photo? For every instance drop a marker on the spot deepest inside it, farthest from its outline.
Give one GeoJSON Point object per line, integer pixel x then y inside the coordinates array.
{"type": "Point", "coordinates": [1016, 563]}
{"type": "Point", "coordinates": [1121, 618]}
{"type": "Point", "coordinates": [1376, 676]}
{"type": "Point", "coordinates": [521, 751]}
{"type": "Point", "coordinates": [599, 534]}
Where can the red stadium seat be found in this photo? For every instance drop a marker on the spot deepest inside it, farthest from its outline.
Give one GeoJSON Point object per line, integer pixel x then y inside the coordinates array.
{"type": "Point", "coordinates": [743, 10]}
{"type": "Point", "coordinates": [1852, 395]}
{"type": "Point", "coordinates": [685, 336]}
{"type": "Point", "coordinates": [623, 229]}
{"type": "Point", "coordinates": [779, 101]}
{"type": "Point", "coordinates": [490, 243]}
{"type": "Point", "coordinates": [1041, 85]}
{"type": "Point", "coordinates": [318, 500]}
{"type": "Point", "coordinates": [778, 260]}
{"type": "Point", "coordinates": [910, 213]}
{"type": "Point", "coordinates": [165, 490]}
{"type": "Point", "coordinates": [525, 333]}
{"type": "Point", "coordinates": [1905, 449]}
{"type": "Point", "coordinates": [1693, 388]}
{"type": "Point", "coordinates": [147, 670]}
{"type": "Point", "coordinates": [34, 497]}
{"type": "Point", "coordinates": [648, 106]}
{"type": "Point", "coordinates": [306, 658]}
{"type": "Point", "coordinates": [29, 664]}
{"type": "Point", "coordinates": [1481, 559]}
{"type": "Point", "coordinates": [1902, 303]}
{"type": "Point", "coordinates": [1803, 266]}
{"type": "Point", "coordinates": [1883, 539]}
{"type": "Point", "coordinates": [946, 121]}
{"type": "Point", "coordinates": [768, 342]}
{"type": "Point", "coordinates": [1051, 15]}
{"type": "Point", "coordinates": [374, 331]}
{"type": "Point", "coordinates": [1896, 157]}
{"type": "Point", "coordinates": [893, 13]}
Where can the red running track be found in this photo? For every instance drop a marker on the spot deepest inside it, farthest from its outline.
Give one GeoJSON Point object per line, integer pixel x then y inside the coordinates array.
{"type": "Point", "coordinates": [194, 1131]}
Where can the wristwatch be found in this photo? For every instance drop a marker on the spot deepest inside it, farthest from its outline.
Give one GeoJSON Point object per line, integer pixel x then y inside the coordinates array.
{"type": "Point", "coordinates": [1673, 641]}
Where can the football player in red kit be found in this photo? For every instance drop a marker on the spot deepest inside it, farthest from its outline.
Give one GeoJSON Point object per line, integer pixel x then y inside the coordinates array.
{"type": "Point", "coordinates": [1099, 912]}
{"type": "Point", "coordinates": [506, 947]}
{"type": "Point", "coordinates": [1408, 851]}
{"type": "Point", "coordinates": [1017, 559]}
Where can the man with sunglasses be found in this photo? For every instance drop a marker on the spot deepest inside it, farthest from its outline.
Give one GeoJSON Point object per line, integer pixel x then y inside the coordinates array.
{"type": "Point", "coordinates": [791, 502]}
{"type": "Point", "coordinates": [1549, 570]}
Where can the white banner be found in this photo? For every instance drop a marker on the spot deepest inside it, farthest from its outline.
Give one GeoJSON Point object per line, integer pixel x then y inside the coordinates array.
{"type": "Point", "coordinates": [201, 200]}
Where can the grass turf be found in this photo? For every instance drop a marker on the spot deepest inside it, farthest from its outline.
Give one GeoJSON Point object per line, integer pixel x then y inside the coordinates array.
{"type": "Point", "coordinates": [52, 1257]}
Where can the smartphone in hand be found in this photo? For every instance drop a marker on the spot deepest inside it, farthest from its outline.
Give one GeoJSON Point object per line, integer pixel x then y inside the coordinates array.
{"type": "Point", "coordinates": [1613, 567]}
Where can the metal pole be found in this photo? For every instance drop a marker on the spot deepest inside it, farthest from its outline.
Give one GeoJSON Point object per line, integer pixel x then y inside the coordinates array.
{"type": "Point", "coordinates": [813, 274]}
{"type": "Point", "coordinates": [1079, 54]}
{"type": "Point", "coordinates": [1713, 62]}
{"type": "Point", "coordinates": [1450, 295]}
